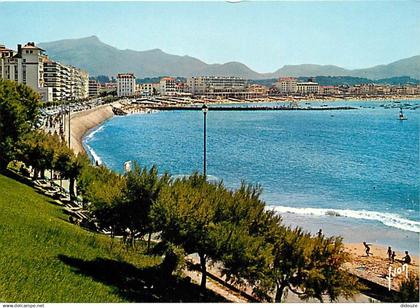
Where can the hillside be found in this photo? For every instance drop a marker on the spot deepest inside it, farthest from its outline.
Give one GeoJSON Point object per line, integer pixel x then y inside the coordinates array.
{"type": "Point", "coordinates": [99, 58]}
{"type": "Point", "coordinates": [46, 259]}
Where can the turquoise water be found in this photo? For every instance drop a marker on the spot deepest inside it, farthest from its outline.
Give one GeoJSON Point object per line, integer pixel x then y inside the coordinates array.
{"type": "Point", "coordinates": [358, 165]}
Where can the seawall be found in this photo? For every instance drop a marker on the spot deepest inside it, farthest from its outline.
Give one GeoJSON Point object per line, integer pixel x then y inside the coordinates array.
{"type": "Point", "coordinates": [82, 122]}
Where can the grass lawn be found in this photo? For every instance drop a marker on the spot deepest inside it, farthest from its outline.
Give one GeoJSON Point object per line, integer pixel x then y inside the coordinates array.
{"type": "Point", "coordinates": [44, 258]}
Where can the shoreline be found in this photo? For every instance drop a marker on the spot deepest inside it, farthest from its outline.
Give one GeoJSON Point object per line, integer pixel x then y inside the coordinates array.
{"type": "Point", "coordinates": [273, 99]}
{"type": "Point", "coordinates": [82, 122]}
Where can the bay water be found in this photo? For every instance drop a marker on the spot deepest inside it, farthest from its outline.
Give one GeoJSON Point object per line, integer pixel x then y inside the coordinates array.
{"type": "Point", "coordinates": [353, 173]}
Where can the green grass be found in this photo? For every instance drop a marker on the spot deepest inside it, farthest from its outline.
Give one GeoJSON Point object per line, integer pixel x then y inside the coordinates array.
{"type": "Point", "coordinates": [44, 258]}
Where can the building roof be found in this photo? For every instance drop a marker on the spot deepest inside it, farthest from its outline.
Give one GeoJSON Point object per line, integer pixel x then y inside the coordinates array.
{"type": "Point", "coordinates": [31, 45]}
{"type": "Point", "coordinates": [308, 83]}
{"type": "Point", "coordinates": [122, 75]}
{"type": "Point", "coordinates": [3, 48]}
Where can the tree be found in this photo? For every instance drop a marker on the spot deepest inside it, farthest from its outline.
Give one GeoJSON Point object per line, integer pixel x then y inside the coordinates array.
{"type": "Point", "coordinates": [187, 215]}
{"type": "Point", "coordinates": [246, 237]}
{"type": "Point", "coordinates": [37, 151]}
{"type": "Point", "coordinates": [142, 190]}
{"type": "Point", "coordinates": [308, 266]}
{"type": "Point", "coordinates": [256, 249]}
{"type": "Point", "coordinates": [103, 189]}
{"type": "Point", "coordinates": [19, 107]}
{"type": "Point", "coordinates": [71, 167]}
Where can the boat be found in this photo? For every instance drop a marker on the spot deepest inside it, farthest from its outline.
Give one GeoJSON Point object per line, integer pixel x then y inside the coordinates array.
{"type": "Point", "coordinates": [401, 116]}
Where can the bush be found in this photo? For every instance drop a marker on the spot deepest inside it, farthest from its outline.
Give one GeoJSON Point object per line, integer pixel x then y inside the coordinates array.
{"type": "Point", "coordinates": [409, 290]}
{"type": "Point", "coordinates": [174, 260]}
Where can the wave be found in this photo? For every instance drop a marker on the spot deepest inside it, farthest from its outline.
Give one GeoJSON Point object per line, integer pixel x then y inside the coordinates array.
{"type": "Point", "coordinates": [93, 132]}
{"type": "Point", "coordinates": [388, 219]}
{"type": "Point", "coordinates": [96, 158]}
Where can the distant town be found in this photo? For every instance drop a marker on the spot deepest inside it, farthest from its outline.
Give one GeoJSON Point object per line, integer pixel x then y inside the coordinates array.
{"type": "Point", "coordinates": [57, 82]}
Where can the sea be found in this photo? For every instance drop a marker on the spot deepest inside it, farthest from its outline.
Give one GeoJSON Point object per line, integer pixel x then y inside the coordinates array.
{"type": "Point", "coordinates": [352, 173]}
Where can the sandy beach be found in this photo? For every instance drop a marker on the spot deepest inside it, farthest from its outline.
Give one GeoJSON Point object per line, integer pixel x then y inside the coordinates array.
{"type": "Point", "coordinates": [376, 267]}
{"type": "Point", "coordinates": [83, 121]}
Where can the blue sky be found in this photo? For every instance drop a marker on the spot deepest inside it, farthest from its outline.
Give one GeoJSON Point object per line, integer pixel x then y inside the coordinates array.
{"type": "Point", "coordinates": [263, 35]}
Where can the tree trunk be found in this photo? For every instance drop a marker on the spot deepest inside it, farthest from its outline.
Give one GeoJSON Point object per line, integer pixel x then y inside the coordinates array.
{"type": "Point", "coordinates": [149, 238]}
{"type": "Point", "coordinates": [35, 176]}
{"type": "Point", "coordinates": [203, 270]}
{"type": "Point", "coordinates": [279, 293]}
{"type": "Point", "coordinates": [3, 164]}
{"type": "Point", "coordinates": [42, 173]}
{"type": "Point", "coordinates": [71, 187]}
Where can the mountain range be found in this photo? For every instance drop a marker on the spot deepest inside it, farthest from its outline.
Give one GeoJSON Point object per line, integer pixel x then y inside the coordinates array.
{"type": "Point", "coordinates": [98, 58]}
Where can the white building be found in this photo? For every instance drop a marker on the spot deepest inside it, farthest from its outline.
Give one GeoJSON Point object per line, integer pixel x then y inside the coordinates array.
{"type": "Point", "coordinates": [25, 66]}
{"type": "Point", "coordinates": [79, 83]}
{"type": "Point", "coordinates": [93, 88]}
{"type": "Point", "coordinates": [167, 86]}
{"type": "Point", "coordinates": [126, 84]}
{"type": "Point", "coordinates": [66, 82]}
{"type": "Point", "coordinates": [52, 80]}
{"type": "Point", "coordinates": [217, 86]}
{"type": "Point", "coordinates": [287, 85]}
{"type": "Point", "coordinates": [149, 89]}
{"type": "Point", "coordinates": [308, 87]}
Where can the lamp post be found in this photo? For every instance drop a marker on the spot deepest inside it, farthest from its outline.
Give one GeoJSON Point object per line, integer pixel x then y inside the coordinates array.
{"type": "Point", "coordinates": [204, 109]}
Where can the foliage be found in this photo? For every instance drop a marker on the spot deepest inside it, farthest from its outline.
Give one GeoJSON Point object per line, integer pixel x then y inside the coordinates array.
{"type": "Point", "coordinates": [309, 266]}
{"type": "Point", "coordinates": [100, 78]}
{"type": "Point", "coordinates": [174, 260]}
{"type": "Point", "coordinates": [37, 149]}
{"type": "Point", "coordinates": [19, 107]}
{"type": "Point", "coordinates": [409, 290]}
{"type": "Point", "coordinates": [141, 191]}
{"type": "Point", "coordinates": [188, 213]}
{"type": "Point", "coordinates": [244, 243]}
{"type": "Point", "coordinates": [103, 190]}
{"type": "Point", "coordinates": [69, 165]}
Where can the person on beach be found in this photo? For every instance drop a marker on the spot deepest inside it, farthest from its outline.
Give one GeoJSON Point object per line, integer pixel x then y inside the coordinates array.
{"type": "Point", "coordinates": [320, 233]}
{"type": "Point", "coordinates": [389, 253]}
{"type": "Point", "coordinates": [407, 258]}
{"type": "Point", "coordinates": [393, 257]}
{"type": "Point", "coordinates": [367, 249]}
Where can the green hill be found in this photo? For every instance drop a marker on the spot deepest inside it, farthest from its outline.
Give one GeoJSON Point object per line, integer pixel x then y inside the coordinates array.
{"type": "Point", "coordinates": [44, 258]}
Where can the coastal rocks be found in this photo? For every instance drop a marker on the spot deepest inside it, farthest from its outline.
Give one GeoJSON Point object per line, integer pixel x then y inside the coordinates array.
{"type": "Point", "coordinates": [118, 111]}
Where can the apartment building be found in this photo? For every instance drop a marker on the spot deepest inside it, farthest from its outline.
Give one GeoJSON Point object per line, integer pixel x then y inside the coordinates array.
{"type": "Point", "coordinates": [26, 65]}
{"type": "Point", "coordinates": [79, 83]}
{"type": "Point", "coordinates": [52, 80]}
{"type": "Point", "coordinates": [126, 84]}
{"type": "Point", "coordinates": [308, 87]}
{"type": "Point", "coordinates": [167, 86]}
{"type": "Point", "coordinates": [148, 89]}
{"type": "Point", "coordinates": [329, 90]}
{"type": "Point", "coordinates": [66, 82]}
{"type": "Point", "coordinates": [93, 88]}
{"type": "Point", "coordinates": [217, 86]}
{"type": "Point", "coordinates": [287, 85]}
{"type": "Point", "coordinates": [256, 90]}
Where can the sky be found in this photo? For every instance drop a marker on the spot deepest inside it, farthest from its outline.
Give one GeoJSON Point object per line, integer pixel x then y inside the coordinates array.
{"type": "Point", "coordinates": [263, 35]}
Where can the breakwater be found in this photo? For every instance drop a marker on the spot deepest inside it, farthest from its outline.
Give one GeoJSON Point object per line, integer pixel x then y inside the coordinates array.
{"type": "Point", "coordinates": [249, 108]}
